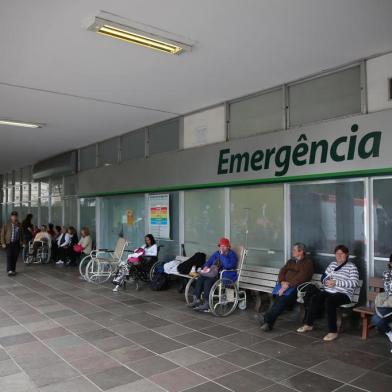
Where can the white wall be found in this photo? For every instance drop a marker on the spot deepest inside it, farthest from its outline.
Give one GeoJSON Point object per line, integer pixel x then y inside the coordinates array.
{"type": "Point", "coordinates": [205, 127]}
{"type": "Point", "coordinates": [379, 71]}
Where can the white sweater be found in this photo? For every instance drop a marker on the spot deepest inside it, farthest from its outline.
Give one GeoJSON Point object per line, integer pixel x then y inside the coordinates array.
{"type": "Point", "coordinates": [86, 243]}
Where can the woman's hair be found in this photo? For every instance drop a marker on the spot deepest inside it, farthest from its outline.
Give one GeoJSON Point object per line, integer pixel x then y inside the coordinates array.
{"type": "Point", "coordinates": [85, 230]}
{"type": "Point", "coordinates": [44, 228]}
{"type": "Point", "coordinates": [28, 219]}
{"type": "Point", "coordinates": [50, 226]}
{"type": "Point", "coordinates": [72, 230]}
{"type": "Point", "coordinates": [151, 237]}
{"type": "Point", "coordinates": [58, 229]}
{"type": "Point", "coordinates": [343, 248]}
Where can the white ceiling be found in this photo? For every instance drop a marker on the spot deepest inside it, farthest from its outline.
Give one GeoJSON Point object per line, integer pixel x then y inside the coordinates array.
{"type": "Point", "coordinates": [50, 66]}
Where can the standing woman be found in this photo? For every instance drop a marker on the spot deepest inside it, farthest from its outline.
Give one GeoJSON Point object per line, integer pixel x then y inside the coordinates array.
{"type": "Point", "coordinates": [339, 280]}
{"type": "Point", "coordinates": [27, 233]}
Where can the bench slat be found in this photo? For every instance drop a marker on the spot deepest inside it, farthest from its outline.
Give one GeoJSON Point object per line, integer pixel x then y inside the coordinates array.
{"type": "Point", "coordinates": [258, 282]}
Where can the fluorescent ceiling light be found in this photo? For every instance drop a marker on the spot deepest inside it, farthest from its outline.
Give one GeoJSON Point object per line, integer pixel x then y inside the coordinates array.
{"type": "Point", "coordinates": [136, 33]}
{"type": "Point", "coordinates": [19, 124]}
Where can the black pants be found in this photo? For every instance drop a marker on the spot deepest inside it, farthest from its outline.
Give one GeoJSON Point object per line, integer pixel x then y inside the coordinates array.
{"type": "Point", "coordinates": [281, 303]}
{"type": "Point", "coordinates": [12, 255]}
{"type": "Point", "coordinates": [331, 301]}
{"type": "Point", "coordinates": [204, 285]}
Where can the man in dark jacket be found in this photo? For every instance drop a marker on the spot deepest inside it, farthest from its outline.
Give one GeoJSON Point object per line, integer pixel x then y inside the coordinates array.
{"type": "Point", "coordinates": [297, 270]}
{"type": "Point", "coordinates": [11, 240]}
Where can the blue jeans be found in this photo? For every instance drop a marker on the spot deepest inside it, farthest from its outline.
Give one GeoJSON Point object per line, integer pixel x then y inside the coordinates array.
{"type": "Point", "coordinates": [281, 303]}
{"type": "Point", "coordinates": [382, 323]}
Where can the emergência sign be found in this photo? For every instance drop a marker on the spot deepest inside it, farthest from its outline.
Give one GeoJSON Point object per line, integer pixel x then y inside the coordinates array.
{"type": "Point", "coordinates": [344, 148]}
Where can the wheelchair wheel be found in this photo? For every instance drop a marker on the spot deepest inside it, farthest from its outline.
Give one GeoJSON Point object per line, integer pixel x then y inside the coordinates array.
{"type": "Point", "coordinates": [98, 272]}
{"type": "Point", "coordinates": [153, 269]}
{"type": "Point", "coordinates": [223, 297]}
{"type": "Point", "coordinates": [83, 265]}
{"type": "Point", "coordinates": [45, 254]}
{"type": "Point", "coordinates": [189, 290]}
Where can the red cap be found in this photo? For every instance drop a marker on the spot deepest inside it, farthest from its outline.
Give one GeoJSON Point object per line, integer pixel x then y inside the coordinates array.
{"type": "Point", "coordinates": [224, 241]}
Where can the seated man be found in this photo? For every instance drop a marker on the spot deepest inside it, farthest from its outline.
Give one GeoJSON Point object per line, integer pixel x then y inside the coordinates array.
{"type": "Point", "coordinates": [297, 270]}
{"type": "Point", "coordinates": [224, 258]}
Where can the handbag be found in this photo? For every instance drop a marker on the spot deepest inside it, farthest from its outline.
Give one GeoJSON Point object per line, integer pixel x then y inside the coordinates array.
{"type": "Point", "coordinates": [278, 286]}
{"type": "Point", "coordinates": [77, 248]}
{"type": "Point", "coordinates": [383, 300]}
{"type": "Point", "coordinates": [211, 272]}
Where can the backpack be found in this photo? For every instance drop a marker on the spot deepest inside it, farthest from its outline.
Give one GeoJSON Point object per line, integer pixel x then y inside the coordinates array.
{"type": "Point", "coordinates": [198, 260]}
{"type": "Point", "coordinates": [160, 282]}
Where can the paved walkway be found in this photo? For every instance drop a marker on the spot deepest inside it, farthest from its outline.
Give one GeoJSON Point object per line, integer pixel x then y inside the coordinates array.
{"type": "Point", "coordinates": [60, 334]}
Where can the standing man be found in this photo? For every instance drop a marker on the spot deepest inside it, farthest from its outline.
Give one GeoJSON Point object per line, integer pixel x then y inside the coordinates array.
{"type": "Point", "coordinates": [297, 270]}
{"type": "Point", "coordinates": [11, 239]}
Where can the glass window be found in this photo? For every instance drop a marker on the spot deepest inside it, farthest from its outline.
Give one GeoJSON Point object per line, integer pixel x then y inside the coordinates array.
{"type": "Point", "coordinates": [10, 197]}
{"type": "Point", "coordinates": [34, 194]}
{"type": "Point", "coordinates": [133, 145]}
{"type": "Point", "coordinates": [56, 187]}
{"type": "Point", "coordinates": [70, 186]}
{"type": "Point", "coordinates": [44, 211]}
{"type": "Point", "coordinates": [57, 210]}
{"type": "Point", "coordinates": [325, 97]}
{"type": "Point", "coordinates": [70, 212]}
{"type": "Point", "coordinates": [87, 215]}
{"type": "Point", "coordinates": [382, 223]}
{"type": "Point", "coordinates": [260, 210]}
{"type": "Point", "coordinates": [26, 191]}
{"type": "Point", "coordinates": [123, 216]}
{"type": "Point", "coordinates": [108, 152]}
{"type": "Point", "coordinates": [163, 137]}
{"type": "Point", "coordinates": [44, 189]}
{"type": "Point", "coordinates": [324, 215]}
{"type": "Point", "coordinates": [88, 157]}
{"type": "Point", "coordinates": [17, 195]}
{"type": "Point", "coordinates": [204, 220]}
{"type": "Point", "coordinates": [259, 114]}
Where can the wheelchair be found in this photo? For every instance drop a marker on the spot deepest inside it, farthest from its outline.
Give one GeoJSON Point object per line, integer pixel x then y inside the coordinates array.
{"type": "Point", "coordinates": [43, 253]}
{"type": "Point", "coordinates": [140, 271]}
{"type": "Point", "coordinates": [225, 294]}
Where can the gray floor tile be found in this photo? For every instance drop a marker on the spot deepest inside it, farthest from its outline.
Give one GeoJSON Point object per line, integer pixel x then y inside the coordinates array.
{"type": "Point", "coordinates": [243, 357]}
{"type": "Point", "coordinates": [244, 380]}
{"type": "Point", "coordinates": [130, 354]}
{"type": "Point", "coordinates": [113, 377]}
{"type": "Point", "coordinates": [14, 340]}
{"type": "Point", "coordinates": [312, 382]}
{"type": "Point", "coordinates": [216, 346]}
{"type": "Point", "coordinates": [219, 331]}
{"type": "Point", "coordinates": [153, 365]}
{"type": "Point", "coordinates": [374, 382]}
{"type": "Point", "coordinates": [275, 370]}
{"type": "Point", "coordinates": [213, 368]}
{"type": "Point", "coordinates": [338, 370]}
{"type": "Point", "coordinates": [112, 343]}
{"type": "Point", "coordinates": [138, 386]}
{"type": "Point", "coordinates": [186, 356]}
{"type": "Point", "coordinates": [177, 380]}
{"type": "Point", "coordinates": [193, 338]}
{"type": "Point", "coordinates": [8, 367]}
{"type": "Point", "coordinates": [79, 384]}
{"type": "Point", "coordinates": [272, 348]}
{"type": "Point", "coordinates": [243, 339]}
{"type": "Point", "coordinates": [173, 330]}
{"type": "Point", "coordinates": [51, 333]}
{"type": "Point", "coordinates": [208, 387]}
{"type": "Point", "coordinates": [163, 345]}
{"type": "Point", "coordinates": [51, 374]}
{"type": "Point", "coordinates": [295, 339]}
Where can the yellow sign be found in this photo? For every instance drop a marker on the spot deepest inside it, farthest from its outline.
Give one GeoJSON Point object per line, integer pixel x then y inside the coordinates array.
{"type": "Point", "coordinates": [130, 218]}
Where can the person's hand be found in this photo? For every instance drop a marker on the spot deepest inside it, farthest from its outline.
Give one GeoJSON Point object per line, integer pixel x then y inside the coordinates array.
{"type": "Point", "coordinates": [330, 283]}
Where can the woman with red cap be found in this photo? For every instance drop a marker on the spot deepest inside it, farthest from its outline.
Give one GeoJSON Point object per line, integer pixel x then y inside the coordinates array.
{"type": "Point", "coordinates": [222, 259]}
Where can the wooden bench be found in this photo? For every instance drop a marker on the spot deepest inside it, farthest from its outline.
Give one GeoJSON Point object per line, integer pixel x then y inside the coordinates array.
{"type": "Point", "coordinates": [376, 285]}
{"type": "Point", "coordinates": [263, 279]}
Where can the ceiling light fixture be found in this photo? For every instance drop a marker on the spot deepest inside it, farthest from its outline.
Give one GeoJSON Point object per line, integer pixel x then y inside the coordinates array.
{"type": "Point", "coordinates": [116, 27]}
{"type": "Point", "coordinates": [20, 124]}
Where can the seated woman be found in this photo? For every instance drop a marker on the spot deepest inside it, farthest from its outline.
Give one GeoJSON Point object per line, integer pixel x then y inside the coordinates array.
{"type": "Point", "coordinates": [71, 255]}
{"type": "Point", "coordinates": [139, 263]}
{"type": "Point", "coordinates": [339, 280]}
{"type": "Point", "coordinates": [383, 317]}
{"type": "Point", "coordinates": [42, 236]}
{"type": "Point", "coordinates": [85, 241]}
{"type": "Point", "coordinates": [224, 258]}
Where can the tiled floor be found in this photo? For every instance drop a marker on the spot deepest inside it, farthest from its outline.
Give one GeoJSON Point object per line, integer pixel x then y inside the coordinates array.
{"type": "Point", "coordinates": [59, 334]}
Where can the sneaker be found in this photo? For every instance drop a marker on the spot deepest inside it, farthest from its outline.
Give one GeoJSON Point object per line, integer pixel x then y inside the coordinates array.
{"type": "Point", "coordinates": [9, 273]}
{"type": "Point", "coordinates": [389, 335]}
{"type": "Point", "coordinates": [203, 308]}
{"type": "Point", "coordinates": [305, 328]}
{"type": "Point", "coordinates": [259, 318]}
{"type": "Point", "coordinates": [116, 289]}
{"type": "Point", "coordinates": [330, 336]}
{"type": "Point", "coordinates": [196, 302]}
{"type": "Point", "coordinates": [60, 262]}
{"type": "Point", "coordinates": [266, 327]}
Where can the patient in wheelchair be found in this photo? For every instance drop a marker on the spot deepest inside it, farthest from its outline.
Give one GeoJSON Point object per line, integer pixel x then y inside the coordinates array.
{"type": "Point", "coordinates": [41, 238]}
{"type": "Point", "coordinates": [138, 265]}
